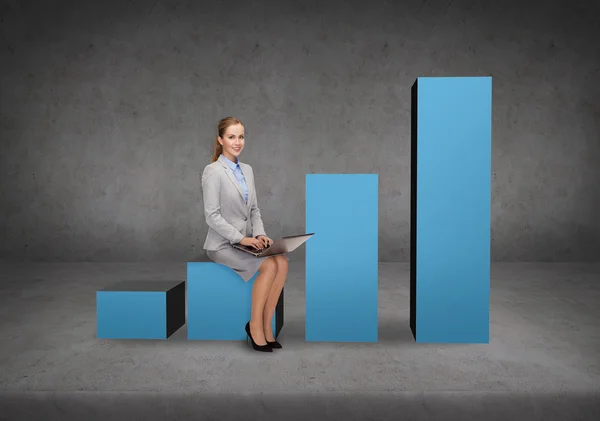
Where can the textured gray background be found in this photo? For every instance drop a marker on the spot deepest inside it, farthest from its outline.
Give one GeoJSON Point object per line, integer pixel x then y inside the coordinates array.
{"type": "Point", "coordinates": [109, 112]}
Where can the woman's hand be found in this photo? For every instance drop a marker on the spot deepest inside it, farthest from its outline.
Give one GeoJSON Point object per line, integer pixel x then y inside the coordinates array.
{"type": "Point", "coordinates": [252, 242]}
{"type": "Point", "coordinates": [266, 240]}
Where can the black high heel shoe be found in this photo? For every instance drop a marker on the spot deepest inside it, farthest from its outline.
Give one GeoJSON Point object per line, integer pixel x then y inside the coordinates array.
{"type": "Point", "coordinates": [274, 344]}
{"type": "Point", "coordinates": [263, 348]}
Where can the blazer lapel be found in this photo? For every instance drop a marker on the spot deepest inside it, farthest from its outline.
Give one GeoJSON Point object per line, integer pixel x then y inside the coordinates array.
{"type": "Point", "coordinates": [233, 179]}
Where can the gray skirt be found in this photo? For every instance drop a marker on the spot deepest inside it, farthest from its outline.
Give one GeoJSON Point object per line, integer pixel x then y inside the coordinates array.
{"type": "Point", "coordinates": [245, 264]}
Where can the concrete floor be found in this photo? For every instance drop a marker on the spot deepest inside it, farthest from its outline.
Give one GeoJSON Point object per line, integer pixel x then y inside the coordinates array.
{"type": "Point", "coordinates": [543, 360]}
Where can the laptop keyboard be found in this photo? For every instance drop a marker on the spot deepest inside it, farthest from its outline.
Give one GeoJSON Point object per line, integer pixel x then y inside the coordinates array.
{"type": "Point", "coordinates": [252, 249]}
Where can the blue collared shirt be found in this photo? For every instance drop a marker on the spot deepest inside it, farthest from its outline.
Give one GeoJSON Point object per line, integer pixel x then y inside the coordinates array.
{"type": "Point", "coordinates": [237, 171]}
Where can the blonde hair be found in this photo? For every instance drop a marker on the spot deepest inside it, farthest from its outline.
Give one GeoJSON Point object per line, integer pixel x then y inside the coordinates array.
{"type": "Point", "coordinates": [222, 128]}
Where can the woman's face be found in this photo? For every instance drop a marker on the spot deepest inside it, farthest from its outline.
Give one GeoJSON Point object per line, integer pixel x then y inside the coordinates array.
{"type": "Point", "coordinates": [233, 141]}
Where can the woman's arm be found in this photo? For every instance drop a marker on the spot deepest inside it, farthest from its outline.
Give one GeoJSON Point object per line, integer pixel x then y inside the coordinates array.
{"type": "Point", "coordinates": [212, 207]}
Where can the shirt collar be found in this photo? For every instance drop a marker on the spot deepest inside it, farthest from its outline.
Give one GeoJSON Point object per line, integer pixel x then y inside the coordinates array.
{"type": "Point", "coordinates": [232, 165]}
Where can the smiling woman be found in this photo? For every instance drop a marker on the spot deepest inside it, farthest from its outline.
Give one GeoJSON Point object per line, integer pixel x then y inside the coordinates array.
{"type": "Point", "coordinates": [232, 214]}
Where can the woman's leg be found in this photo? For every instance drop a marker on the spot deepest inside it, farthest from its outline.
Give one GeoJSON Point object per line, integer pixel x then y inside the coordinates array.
{"type": "Point", "coordinates": [260, 292]}
{"type": "Point", "coordinates": [273, 298]}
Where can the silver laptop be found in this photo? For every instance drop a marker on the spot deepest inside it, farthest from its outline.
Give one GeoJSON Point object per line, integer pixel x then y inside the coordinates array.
{"type": "Point", "coordinates": [285, 245]}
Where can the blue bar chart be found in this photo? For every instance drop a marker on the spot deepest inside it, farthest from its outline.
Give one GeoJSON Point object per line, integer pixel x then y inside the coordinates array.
{"type": "Point", "coordinates": [342, 258]}
{"type": "Point", "coordinates": [450, 239]}
{"type": "Point", "coordinates": [450, 209]}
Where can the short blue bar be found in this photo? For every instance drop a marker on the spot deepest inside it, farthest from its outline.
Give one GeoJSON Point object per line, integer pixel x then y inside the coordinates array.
{"type": "Point", "coordinates": [342, 257]}
{"type": "Point", "coordinates": [220, 303]}
{"type": "Point", "coordinates": [131, 314]}
{"type": "Point", "coordinates": [450, 218]}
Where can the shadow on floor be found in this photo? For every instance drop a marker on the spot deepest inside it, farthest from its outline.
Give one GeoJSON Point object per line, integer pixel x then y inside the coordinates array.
{"type": "Point", "coordinates": [390, 332]}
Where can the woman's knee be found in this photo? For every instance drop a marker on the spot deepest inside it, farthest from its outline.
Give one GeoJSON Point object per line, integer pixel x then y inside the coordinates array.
{"type": "Point", "coordinates": [268, 265]}
{"type": "Point", "coordinates": [282, 262]}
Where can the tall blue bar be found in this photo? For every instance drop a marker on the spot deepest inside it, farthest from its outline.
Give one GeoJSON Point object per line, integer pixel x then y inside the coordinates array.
{"type": "Point", "coordinates": [451, 137]}
{"type": "Point", "coordinates": [342, 257]}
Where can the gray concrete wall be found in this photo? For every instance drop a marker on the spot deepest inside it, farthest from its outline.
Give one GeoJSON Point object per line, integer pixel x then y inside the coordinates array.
{"type": "Point", "coordinates": [109, 111]}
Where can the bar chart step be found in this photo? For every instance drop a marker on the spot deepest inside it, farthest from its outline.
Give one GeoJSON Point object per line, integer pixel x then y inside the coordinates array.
{"type": "Point", "coordinates": [219, 303]}
{"type": "Point", "coordinates": [342, 258]}
{"type": "Point", "coordinates": [451, 154]}
{"type": "Point", "coordinates": [140, 309]}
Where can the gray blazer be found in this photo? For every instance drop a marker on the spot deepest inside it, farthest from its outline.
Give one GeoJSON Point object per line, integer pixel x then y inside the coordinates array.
{"type": "Point", "coordinates": [227, 214]}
